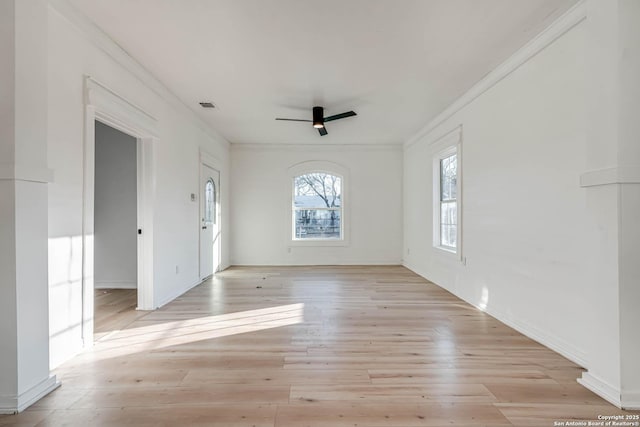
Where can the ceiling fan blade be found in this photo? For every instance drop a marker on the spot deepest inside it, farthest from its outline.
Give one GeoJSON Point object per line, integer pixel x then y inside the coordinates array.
{"type": "Point", "coordinates": [294, 120]}
{"type": "Point", "coordinates": [323, 131]}
{"type": "Point", "coordinates": [340, 116]}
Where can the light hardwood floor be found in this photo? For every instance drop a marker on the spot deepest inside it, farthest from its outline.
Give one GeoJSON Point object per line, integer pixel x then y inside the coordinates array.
{"type": "Point", "coordinates": [314, 346]}
{"type": "Point", "coordinates": [114, 309]}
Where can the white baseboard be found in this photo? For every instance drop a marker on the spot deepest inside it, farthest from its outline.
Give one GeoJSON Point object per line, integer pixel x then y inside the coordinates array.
{"type": "Point", "coordinates": [631, 401]}
{"type": "Point", "coordinates": [115, 285]}
{"type": "Point", "coordinates": [545, 338]}
{"type": "Point", "coordinates": [628, 401]}
{"type": "Point", "coordinates": [176, 294]}
{"type": "Point", "coordinates": [306, 264]}
{"type": "Point", "coordinates": [603, 389]}
{"type": "Point", "coordinates": [16, 404]}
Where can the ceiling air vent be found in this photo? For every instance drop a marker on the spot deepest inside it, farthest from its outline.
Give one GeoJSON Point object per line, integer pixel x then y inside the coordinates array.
{"type": "Point", "coordinates": [207, 105]}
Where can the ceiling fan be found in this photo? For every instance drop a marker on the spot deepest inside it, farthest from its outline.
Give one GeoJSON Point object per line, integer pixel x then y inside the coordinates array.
{"type": "Point", "coordinates": [319, 119]}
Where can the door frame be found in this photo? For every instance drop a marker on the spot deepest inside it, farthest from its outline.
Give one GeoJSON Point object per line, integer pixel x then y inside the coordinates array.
{"type": "Point", "coordinates": [214, 163]}
{"type": "Point", "coordinates": [107, 106]}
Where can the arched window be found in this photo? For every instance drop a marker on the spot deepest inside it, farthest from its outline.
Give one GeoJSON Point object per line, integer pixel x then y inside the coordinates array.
{"type": "Point", "coordinates": [317, 206]}
{"type": "Point", "coordinates": [210, 202]}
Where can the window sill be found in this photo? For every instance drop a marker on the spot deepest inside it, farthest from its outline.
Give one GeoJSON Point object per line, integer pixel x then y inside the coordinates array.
{"type": "Point", "coordinates": [446, 251]}
{"type": "Point", "coordinates": [319, 242]}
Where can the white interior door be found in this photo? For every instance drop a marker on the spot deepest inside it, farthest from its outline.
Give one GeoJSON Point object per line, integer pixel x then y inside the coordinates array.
{"type": "Point", "coordinates": [209, 221]}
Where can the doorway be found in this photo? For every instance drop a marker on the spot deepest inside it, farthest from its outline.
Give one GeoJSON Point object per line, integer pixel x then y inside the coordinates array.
{"type": "Point", "coordinates": [115, 230]}
{"type": "Point", "coordinates": [209, 221]}
{"type": "Point", "coordinates": [105, 106]}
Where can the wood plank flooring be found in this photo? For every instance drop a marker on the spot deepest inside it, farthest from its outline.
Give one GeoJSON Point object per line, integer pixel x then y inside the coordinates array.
{"type": "Point", "coordinates": [114, 309]}
{"type": "Point", "coordinates": [312, 346]}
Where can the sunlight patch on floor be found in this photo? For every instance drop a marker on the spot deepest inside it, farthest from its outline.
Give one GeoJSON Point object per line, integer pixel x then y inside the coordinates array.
{"type": "Point", "coordinates": [167, 334]}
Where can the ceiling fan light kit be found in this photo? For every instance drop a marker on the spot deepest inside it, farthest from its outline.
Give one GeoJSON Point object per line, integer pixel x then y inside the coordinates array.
{"type": "Point", "coordinates": [319, 119]}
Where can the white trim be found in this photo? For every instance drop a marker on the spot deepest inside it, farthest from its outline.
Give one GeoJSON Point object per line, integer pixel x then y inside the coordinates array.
{"type": "Point", "coordinates": [316, 147]}
{"type": "Point", "coordinates": [13, 405]}
{"type": "Point", "coordinates": [146, 190]}
{"type": "Point", "coordinates": [107, 45]}
{"type": "Point", "coordinates": [444, 139]}
{"type": "Point", "coordinates": [557, 29]}
{"type": "Point", "coordinates": [179, 292]}
{"type": "Point", "coordinates": [437, 202]}
{"type": "Point", "coordinates": [88, 185]}
{"type": "Point", "coordinates": [106, 106]}
{"type": "Point", "coordinates": [10, 172]}
{"type": "Point", "coordinates": [551, 341]}
{"type": "Point", "coordinates": [113, 105]}
{"type": "Point", "coordinates": [631, 401]}
{"type": "Point", "coordinates": [207, 160]}
{"type": "Point", "coordinates": [444, 146]}
{"type": "Point", "coordinates": [334, 169]}
{"type": "Point", "coordinates": [600, 387]}
{"type": "Point", "coordinates": [609, 176]}
{"type": "Point", "coordinates": [215, 163]}
{"type": "Point", "coordinates": [210, 160]}
{"type": "Point", "coordinates": [117, 284]}
{"type": "Point", "coordinates": [382, 262]}
{"type": "Point", "coordinates": [628, 401]}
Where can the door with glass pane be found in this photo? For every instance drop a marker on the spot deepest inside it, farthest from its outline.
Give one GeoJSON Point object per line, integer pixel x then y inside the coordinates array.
{"type": "Point", "coordinates": [209, 221]}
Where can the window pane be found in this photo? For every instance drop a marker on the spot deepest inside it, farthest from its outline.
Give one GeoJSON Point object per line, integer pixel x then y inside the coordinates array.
{"type": "Point", "coordinates": [449, 177]}
{"type": "Point", "coordinates": [449, 213]}
{"type": "Point", "coordinates": [448, 201]}
{"type": "Point", "coordinates": [448, 236]}
{"type": "Point", "coordinates": [317, 224]}
{"type": "Point", "coordinates": [317, 190]}
{"type": "Point", "coordinates": [209, 200]}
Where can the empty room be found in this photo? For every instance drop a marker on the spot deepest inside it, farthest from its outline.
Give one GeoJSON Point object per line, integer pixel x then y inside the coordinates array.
{"type": "Point", "coordinates": [341, 213]}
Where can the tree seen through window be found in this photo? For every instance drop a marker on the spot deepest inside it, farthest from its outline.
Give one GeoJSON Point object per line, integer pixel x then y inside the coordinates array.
{"type": "Point", "coordinates": [317, 206]}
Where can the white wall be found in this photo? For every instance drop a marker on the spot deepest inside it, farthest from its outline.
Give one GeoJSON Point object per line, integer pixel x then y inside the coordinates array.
{"type": "Point", "coordinates": [261, 205]}
{"type": "Point", "coordinates": [115, 210]}
{"type": "Point", "coordinates": [77, 50]}
{"type": "Point", "coordinates": [526, 238]}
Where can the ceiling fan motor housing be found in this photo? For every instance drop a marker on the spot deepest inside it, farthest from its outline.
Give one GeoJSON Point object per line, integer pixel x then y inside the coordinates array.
{"type": "Point", "coordinates": [318, 117]}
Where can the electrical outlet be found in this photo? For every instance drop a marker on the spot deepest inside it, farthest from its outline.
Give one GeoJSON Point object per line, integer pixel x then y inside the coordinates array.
{"type": "Point", "coordinates": [177, 269]}
{"type": "Point", "coordinates": [408, 251]}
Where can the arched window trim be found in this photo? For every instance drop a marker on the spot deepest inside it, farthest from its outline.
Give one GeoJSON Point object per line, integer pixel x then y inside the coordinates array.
{"type": "Point", "coordinates": [322, 167]}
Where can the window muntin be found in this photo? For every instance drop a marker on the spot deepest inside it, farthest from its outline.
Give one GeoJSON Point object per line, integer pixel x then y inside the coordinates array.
{"type": "Point", "coordinates": [210, 202]}
{"type": "Point", "coordinates": [448, 200]}
{"type": "Point", "coordinates": [317, 207]}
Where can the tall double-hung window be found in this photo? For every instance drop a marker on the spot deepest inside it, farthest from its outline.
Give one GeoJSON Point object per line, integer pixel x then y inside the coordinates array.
{"type": "Point", "coordinates": [448, 201]}
{"type": "Point", "coordinates": [446, 192]}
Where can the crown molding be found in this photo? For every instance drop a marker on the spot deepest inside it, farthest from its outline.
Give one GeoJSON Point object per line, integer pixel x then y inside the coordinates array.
{"type": "Point", "coordinates": [106, 44]}
{"type": "Point", "coordinates": [557, 29]}
{"type": "Point", "coordinates": [315, 147]}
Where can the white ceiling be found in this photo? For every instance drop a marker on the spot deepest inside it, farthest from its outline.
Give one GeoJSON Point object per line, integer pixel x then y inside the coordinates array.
{"type": "Point", "coordinates": [397, 63]}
